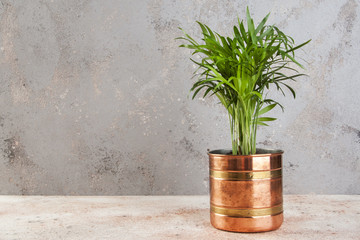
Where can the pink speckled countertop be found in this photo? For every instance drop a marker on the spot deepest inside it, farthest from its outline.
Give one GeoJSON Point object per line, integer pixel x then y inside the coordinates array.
{"type": "Point", "coordinates": [167, 217]}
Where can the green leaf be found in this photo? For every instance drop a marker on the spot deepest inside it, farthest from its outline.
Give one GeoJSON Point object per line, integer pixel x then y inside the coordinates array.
{"type": "Point", "coordinates": [291, 89]}
{"type": "Point", "coordinates": [267, 33]}
{"type": "Point", "coordinates": [298, 46]}
{"type": "Point", "coordinates": [243, 32]}
{"type": "Point", "coordinates": [197, 90]}
{"type": "Point", "coordinates": [207, 91]}
{"type": "Point", "coordinates": [261, 24]}
{"type": "Point", "coordinates": [251, 27]}
{"type": "Point", "coordinates": [266, 119]}
{"type": "Point", "coordinates": [256, 94]}
{"type": "Point", "coordinates": [203, 28]}
{"type": "Point", "coordinates": [266, 109]}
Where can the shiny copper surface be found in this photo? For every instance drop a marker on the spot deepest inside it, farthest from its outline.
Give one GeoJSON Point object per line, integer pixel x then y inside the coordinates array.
{"type": "Point", "coordinates": [255, 224]}
{"type": "Point", "coordinates": [246, 194]}
{"type": "Point", "coordinates": [246, 191]}
{"type": "Point", "coordinates": [257, 162]}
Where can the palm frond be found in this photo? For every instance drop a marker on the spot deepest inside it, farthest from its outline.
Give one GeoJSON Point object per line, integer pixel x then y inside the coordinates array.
{"type": "Point", "coordinates": [240, 69]}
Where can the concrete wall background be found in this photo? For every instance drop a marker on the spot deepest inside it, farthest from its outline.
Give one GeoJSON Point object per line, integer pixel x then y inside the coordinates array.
{"type": "Point", "coordinates": [93, 97]}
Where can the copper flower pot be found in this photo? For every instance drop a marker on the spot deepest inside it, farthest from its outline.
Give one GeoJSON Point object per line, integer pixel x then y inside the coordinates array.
{"type": "Point", "coordinates": [246, 191]}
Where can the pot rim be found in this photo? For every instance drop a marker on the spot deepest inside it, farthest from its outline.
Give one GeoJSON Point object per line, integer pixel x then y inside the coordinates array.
{"type": "Point", "coordinates": [263, 152]}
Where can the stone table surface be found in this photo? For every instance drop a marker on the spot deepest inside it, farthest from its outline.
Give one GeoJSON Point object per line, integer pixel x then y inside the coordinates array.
{"type": "Point", "coordinates": [167, 217]}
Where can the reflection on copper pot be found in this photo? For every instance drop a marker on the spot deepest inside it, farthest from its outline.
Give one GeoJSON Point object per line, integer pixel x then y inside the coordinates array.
{"type": "Point", "coordinates": [246, 191]}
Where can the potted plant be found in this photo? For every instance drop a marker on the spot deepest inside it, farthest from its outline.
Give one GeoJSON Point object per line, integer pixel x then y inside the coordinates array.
{"type": "Point", "coordinates": [245, 182]}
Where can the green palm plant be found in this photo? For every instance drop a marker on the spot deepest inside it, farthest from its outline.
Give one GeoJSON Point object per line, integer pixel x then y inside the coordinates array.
{"type": "Point", "coordinates": [240, 70]}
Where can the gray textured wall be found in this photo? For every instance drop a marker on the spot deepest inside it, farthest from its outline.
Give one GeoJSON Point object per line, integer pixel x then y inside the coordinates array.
{"type": "Point", "coordinates": [93, 97]}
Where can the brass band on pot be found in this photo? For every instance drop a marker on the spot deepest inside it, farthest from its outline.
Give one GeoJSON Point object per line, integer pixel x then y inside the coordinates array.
{"type": "Point", "coordinates": [238, 176]}
{"type": "Point", "coordinates": [247, 213]}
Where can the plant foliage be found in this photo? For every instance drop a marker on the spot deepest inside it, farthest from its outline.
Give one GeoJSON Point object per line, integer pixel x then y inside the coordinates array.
{"type": "Point", "coordinates": [240, 70]}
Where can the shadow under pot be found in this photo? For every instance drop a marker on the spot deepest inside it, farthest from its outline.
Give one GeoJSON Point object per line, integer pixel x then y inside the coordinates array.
{"type": "Point", "coordinates": [246, 190]}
